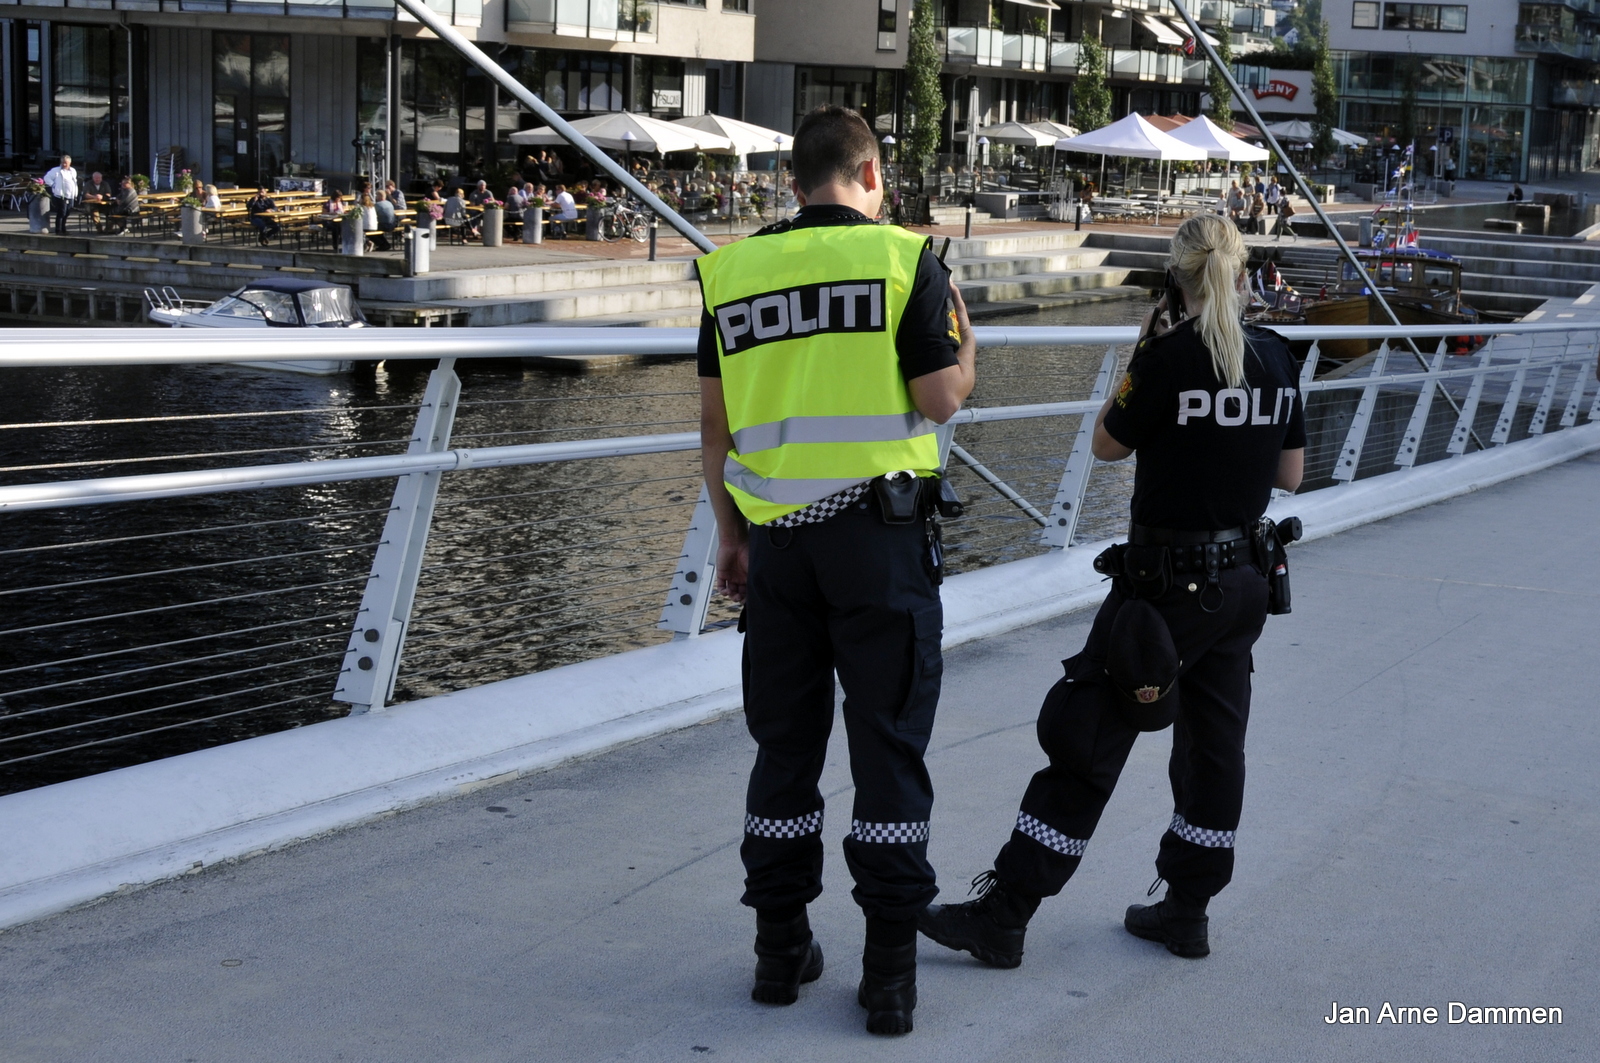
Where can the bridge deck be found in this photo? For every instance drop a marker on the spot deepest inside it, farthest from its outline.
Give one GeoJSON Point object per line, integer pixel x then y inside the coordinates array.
{"type": "Point", "coordinates": [1419, 828]}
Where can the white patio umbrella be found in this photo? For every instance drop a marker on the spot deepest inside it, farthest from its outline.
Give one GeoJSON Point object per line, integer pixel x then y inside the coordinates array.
{"type": "Point", "coordinates": [1057, 128]}
{"type": "Point", "coordinates": [1017, 133]}
{"type": "Point", "coordinates": [1131, 137]}
{"type": "Point", "coordinates": [1298, 129]}
{"type": "Point", "coordinates": [1217, 142]}
{"type": "Point", "coordinates": [649, 134]}
{"type": "Point", "coordinates": [746, 137]}
{"type": "Point", "coordinates": [1349, 140]}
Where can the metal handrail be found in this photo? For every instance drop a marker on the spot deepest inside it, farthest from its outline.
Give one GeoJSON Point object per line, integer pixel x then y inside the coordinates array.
{"type": "Point", "coordinates": [33, 348]}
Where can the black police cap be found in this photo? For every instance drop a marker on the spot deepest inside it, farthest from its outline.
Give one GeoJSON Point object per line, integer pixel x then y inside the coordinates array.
{"type": "Point", "coordinates": [1143, 666]}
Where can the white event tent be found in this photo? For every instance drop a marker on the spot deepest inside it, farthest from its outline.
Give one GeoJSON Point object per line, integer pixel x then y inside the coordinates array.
{"type": "Point", "coordinates": [1131, 137]}
{"type": "Point", "coordinates": [1217, 142]}
{"type": "Point", "coordinates": [1300, 129]}
{"type": "Point", "coordinates": [625, 131]}
{"type": "Point", "coordinates": [1017, 133]}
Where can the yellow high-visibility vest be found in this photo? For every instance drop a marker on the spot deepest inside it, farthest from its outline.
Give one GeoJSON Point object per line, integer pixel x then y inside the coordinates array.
{"type": "Point", "coordinates": [806, 323]}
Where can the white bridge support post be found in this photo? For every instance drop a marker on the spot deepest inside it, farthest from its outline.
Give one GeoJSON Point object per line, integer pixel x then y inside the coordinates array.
{"type": "Point", "coordinates": [1411, 442]}
{"type": "Point", "coordinates": [1547, 398]}
{"type": "Point", "coordinates": [692, 585]}
{"type": "Point", "coordinates": [1068, 505]}
{"type": "Point", "coordinates": [1469, 408]}
{"type": "Point", "coordinates": [372, 661]}
{"type": "Point", "coordinates": [1344, 470]}
{"type": "Point", "coordinates": [1569, 415]}
{"type": "Point", "coordinates": [1508, 411]}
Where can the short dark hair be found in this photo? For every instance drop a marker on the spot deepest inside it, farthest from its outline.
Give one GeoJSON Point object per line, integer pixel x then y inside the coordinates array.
{"type": "Point", "coordinates": [830, 145]}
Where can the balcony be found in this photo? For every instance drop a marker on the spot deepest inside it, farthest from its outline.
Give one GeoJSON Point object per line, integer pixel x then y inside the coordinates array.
{"type": "Point", "coordinates": [1195, 71]}
{"type": "Point", "coordinates": [982, 46]}
{"type": "Point", "coordinates": [1214, 12]}
{"type": "Point", "coordinates": [1024, 51]}
{"type": "Point", "coordinates": [1551, 40]}
{"type": "Point", "coordinates": [1064, 56]}
{"type": "Point", "coordinates": [977, 45]}
{"type": "Point", "coordinates": [600, 20]}
{"type": "Point", "coordinates": [1138, 64]}
{"type": "Point", "coordinates": [1574, 94]}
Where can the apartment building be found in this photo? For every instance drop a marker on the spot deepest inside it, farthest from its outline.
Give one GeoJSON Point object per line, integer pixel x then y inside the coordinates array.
{"type": "Point", "coordinates": [1004, 60]}
{"type": "Point", "coordinates": [248, 88]}
{"type": "Point", "coordinates": [1508, 91]}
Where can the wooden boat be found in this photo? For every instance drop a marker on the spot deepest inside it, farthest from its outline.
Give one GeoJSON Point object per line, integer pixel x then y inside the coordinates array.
{"type": "Point", "coordinates": [1422, 286]}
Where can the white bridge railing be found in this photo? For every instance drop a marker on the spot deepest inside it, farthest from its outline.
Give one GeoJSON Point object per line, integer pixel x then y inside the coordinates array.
{"type": "Point", "coordinates": [1399, 409]}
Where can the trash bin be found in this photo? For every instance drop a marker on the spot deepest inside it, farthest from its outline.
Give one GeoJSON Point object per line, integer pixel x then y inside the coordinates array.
{"type": "Point", "coordinates": [416, 250]}
{"type": "Point", "coordinates": [1366, 230]}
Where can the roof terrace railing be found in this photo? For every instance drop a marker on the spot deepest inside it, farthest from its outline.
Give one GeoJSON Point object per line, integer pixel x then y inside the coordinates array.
{"type": "Point", "coordinates": [144, 607]}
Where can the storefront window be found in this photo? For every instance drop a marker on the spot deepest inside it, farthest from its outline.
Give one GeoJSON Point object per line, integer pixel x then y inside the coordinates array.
{"type": "Point", "coordinates": [430, 116]}
{"type": "Point", "coordinates": [83, 115]}
{"type": "Point", "coordinates": [1494, 143]}
{"type": "Point", "coordinates": [249, 106]}
{"type": "Point", "coordinates": [372, 72]}
{"type": "Point", "coordinates": [1499, 80]}
{"type": "Point", "coordinates": [658, 86]}
{"type": "Point", "coordinates": [818, 86]}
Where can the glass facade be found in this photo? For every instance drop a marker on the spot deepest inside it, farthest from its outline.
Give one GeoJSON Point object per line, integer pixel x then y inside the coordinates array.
{"type": "Point", "coordinates": [90, 83]}
{"type": "Point", "coordinates": [1474, 110]}
{"type": "Point", "coordinates": [432, 77]}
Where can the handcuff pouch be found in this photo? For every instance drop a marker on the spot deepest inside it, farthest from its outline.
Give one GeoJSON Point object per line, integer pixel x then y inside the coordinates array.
{"type": "Point", "coordinates": [899, 496]}
{"type": "Point", "coordinates": [1146, 571]}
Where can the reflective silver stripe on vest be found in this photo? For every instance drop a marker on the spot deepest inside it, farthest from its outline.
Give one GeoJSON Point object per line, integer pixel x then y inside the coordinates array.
{"type": "Point", "coordinates": [782, 492]}
{"type": "Point", "coordinates": [861, 428]}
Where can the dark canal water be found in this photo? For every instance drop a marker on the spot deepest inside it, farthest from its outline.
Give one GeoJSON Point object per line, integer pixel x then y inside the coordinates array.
{"type": "Point", "coordinates": [135, 631]}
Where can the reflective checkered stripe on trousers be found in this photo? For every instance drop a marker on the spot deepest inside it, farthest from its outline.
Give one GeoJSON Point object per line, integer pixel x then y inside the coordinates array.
{"type": "Point", "coordinates": [901, 833]}
{"type": "Point", "coordinates": [1211, 839]}
{"type": "Point", "coordinates": [1049, 837]}
{"type": "Point", "coordinates": [761, 827]}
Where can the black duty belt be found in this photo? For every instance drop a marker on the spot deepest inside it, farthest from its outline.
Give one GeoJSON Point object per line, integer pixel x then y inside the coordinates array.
{"type": "Point", "coordinates": [1140, 535]}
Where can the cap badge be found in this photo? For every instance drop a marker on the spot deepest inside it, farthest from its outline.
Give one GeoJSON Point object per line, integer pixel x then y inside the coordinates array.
{"type": "Point", "coordinates": [1146, 695]}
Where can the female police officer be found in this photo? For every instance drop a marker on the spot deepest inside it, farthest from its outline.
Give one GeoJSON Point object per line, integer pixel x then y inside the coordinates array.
{"type": "Point", "coordinates": [1209, 406]}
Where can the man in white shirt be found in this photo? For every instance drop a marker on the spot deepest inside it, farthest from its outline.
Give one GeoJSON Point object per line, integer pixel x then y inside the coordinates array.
{"type": "Point", "coordinates": [62, 181]}
{"type": "Point", "coordinates": [566, 211]}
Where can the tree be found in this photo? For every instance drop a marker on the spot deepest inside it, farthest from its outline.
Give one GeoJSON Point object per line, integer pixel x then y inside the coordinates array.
{"type": "Point", "coordinates": [1325, 96]}
{"type": "Point", "coordinates": [1091, 96]}
{"type": "Point", "coordinates": [924, 90]}
{"type": "Point", "coordinates": [1221, 95]}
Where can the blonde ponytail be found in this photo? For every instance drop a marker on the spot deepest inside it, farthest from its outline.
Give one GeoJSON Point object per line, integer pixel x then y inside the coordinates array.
{"type": "Point", "coordinates": [1207, 255]}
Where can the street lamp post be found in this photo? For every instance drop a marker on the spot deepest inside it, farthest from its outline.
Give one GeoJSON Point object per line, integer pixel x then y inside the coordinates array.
{"type": "Point", "coordinates": [894, 198]}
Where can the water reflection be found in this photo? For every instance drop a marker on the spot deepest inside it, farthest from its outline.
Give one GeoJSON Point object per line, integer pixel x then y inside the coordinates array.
{"type": "Point", "coordinates": [142, 630]}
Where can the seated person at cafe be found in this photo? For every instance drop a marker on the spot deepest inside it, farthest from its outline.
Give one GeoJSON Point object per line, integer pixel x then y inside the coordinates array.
{"type": "Point", "coordinates": [455, 213]}
{"type": "Point", "coordinates": [566, 212]}
{"type": "Point", "coordinates": [260, 208]}
{"type": "Point", "coordinates": [396, 198]}
{"type": "Point", "coordinates": [97, 197]}
{"type": "Point", "coordinates": [480, 195]}
{"type": "Point", "coordinates": [333, 212]}
{"type": "Point", "coordinates": [124, 207]}
{"type": "Point", "coordinates": [387, 220]}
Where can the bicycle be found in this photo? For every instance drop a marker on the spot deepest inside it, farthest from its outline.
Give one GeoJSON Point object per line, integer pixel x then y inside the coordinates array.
{"type": "Point", "coordinates": [621, 221]}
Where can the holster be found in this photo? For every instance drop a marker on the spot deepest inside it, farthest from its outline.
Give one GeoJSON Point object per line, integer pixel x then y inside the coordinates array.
{"type": "Point", "coordinates": [1138, 571]}
{"type": "Point", "coordinates": [1267, 542]}
{"type": "Point", "coordinates": [899, 495]}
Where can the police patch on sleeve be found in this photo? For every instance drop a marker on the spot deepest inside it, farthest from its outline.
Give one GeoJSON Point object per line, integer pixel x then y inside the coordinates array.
{"type": "Point", "coordinates": [1125, 390]}
{"type": "Point", "coordinates": [952, 323]}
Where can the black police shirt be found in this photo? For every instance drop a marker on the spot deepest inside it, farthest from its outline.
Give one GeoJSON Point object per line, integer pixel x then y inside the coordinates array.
{"type": "Point", "coordinates": [1207, 453]}
{"type": "Point", "coordinates": [927, 338]}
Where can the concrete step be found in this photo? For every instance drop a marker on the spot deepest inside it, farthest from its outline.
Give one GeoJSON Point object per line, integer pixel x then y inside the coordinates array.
{"type": "Point", "coordinates": [1027, 285]}
{"type": "Point", "coordinates": [1029, 242]}
{"type": "Point", "coordinates": [681, 298]}
{"type": "Point", "coordinates": [584, 275]}
{"type": "Point", "coordinates": [973, 269]}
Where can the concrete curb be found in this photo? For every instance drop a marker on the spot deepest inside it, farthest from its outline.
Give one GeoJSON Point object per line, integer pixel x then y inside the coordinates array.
{"type": "Point", "coordinates": [77, 842]}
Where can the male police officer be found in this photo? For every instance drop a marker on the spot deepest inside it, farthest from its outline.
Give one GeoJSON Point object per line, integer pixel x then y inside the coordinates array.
{"type": "Point", "coordinates": [829, 349]}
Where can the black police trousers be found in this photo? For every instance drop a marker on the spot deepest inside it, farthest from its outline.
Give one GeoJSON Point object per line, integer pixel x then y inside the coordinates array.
{"type": "Point", "coordinates": [854, 595]}
{"type": "Point", "coordinates": [1088, 742]}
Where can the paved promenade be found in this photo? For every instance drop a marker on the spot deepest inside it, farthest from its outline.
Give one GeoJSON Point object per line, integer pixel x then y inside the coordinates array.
{"type": "Point", "coordinates": [1419, 828]}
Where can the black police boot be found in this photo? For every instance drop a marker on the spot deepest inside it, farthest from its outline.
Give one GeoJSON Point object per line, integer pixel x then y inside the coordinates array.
{"type": "Point", "coordinates": [991, 927]}
{"type": "Point", "coordinates": [786, 956]}
{"type": "Point", "coordinates": [1179, 922]}
{"type": "Point", "coordinates": [889, 984]}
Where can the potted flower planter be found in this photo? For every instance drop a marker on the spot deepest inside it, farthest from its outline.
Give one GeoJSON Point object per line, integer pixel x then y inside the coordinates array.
{"type": "Point", "coordinates": [494, 221]}
{"type": "Point", "coordinates": [191, 225]}
{"type": "Point", "coordinates": [533, 225]}
{"type": "Point", "coordinates": [39, 214]}
{"type": "Point", "coordinates": [353, 233]}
